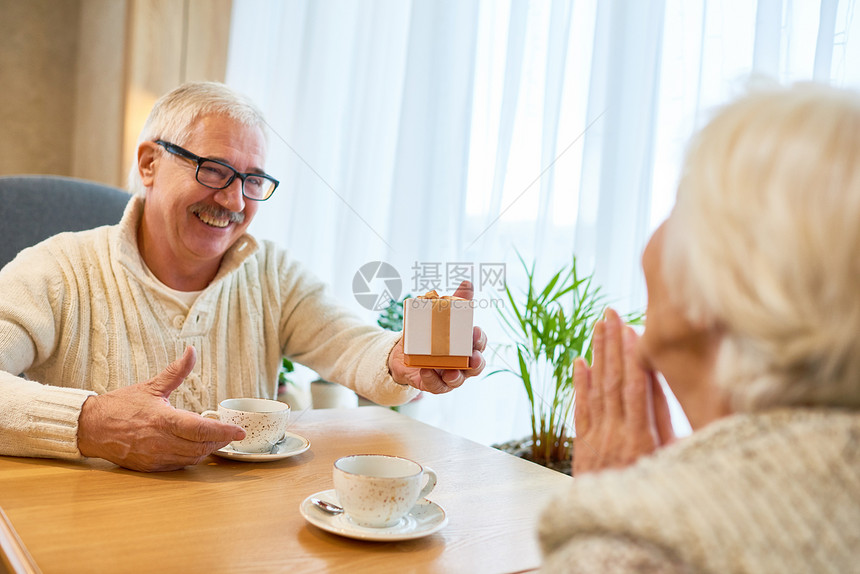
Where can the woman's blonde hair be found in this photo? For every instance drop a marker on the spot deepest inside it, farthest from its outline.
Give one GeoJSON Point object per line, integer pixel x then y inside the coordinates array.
{"type": "Point", "coordinates": [764, 243]}
{"type": "Point", "coordinates": [173, 115]}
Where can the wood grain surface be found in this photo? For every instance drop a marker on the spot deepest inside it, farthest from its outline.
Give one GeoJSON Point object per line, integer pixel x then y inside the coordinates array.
{"type": "Point", "coordinates": [232, 516]}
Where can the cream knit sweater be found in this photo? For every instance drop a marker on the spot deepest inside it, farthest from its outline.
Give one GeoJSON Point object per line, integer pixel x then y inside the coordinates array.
{"type": "Point", "coordinates": [772, 492]}
{"type": "Point", "coordinates": [79, 314]}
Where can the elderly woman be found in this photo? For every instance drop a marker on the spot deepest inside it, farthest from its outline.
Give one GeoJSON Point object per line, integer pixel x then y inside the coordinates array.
{"type": "Point", "coordinates": [753, 319]}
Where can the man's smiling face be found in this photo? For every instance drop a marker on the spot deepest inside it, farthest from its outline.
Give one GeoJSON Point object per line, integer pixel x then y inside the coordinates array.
{"type": "Point", "coordinates": [187, 224]}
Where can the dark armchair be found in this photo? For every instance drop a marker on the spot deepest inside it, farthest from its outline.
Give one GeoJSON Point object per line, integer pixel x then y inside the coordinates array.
{"type": "Point", "coordinates": [35, 207]}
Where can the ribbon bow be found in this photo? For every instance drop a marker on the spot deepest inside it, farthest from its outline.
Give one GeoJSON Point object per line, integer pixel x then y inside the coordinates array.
{"type": "Point", "coordinates": [432, 294]}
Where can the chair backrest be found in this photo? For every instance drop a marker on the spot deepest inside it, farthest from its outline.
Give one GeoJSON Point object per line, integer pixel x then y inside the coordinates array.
{"type": "Point", "coordinates": [35, 207]}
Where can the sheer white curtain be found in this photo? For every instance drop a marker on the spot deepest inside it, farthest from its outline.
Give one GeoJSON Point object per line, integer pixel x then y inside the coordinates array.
{"type": "Point", "coordinates": [442, 135]}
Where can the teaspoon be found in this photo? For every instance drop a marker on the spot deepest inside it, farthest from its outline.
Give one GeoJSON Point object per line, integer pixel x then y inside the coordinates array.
{"type": "Point", "coordinates": [277, 445]}
{"type": "Point", "coordinates": [327, 506]}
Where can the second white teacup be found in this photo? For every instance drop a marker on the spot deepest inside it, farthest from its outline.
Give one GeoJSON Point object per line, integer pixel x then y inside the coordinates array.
{"type": "Point", "coordinates": [264, 421]}
{"type": "Point", "coordinates": [377, 490]}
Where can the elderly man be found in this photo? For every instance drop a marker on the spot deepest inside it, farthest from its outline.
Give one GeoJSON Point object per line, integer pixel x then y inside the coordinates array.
{"type": "Point", "coordinates": [178, 283]}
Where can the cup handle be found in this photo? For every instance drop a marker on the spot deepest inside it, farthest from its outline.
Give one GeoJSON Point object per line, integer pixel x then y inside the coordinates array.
{"type": "Point", "coordinates": [211, 415]}
{"type": "Point", "coordinates": [430, 485]}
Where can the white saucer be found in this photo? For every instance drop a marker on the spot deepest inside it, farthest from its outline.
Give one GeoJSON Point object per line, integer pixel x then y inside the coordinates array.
{"type": "Point", "coordinates": [424, 519]}
{"type": "Point", "coordinates": [293, 444]}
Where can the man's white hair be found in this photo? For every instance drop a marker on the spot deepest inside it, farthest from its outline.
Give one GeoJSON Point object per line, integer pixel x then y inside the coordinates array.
{"type": "Point", "coordinates": [764, 244]}
{"type": "Point", "coordinates": [174, 114]}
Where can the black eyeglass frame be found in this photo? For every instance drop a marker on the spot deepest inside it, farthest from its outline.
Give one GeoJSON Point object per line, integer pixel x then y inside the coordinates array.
{"type": "Point", "coordinates": [184, 153]}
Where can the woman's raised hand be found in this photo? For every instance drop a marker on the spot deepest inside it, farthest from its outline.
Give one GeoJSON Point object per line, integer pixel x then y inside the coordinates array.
{"type": "Point", "coordinates": [621, 411]}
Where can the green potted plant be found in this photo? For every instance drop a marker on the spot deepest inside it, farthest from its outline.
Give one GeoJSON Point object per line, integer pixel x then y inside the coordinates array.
{"type": "Point", "coordinates": [550, 326]}
{"type": "Point", "coordinates": [284, 378]}
{"type": "Point", "coordinates": [391, 318]}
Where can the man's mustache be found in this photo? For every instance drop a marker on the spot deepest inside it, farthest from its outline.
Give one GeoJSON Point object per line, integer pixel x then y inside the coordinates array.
{"type": "Point", "coordinates": [218, 212]}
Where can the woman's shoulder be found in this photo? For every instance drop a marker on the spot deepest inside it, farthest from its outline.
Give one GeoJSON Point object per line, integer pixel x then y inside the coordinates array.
{"type": "Point", "coordinates": [761, 484]}
{"type": "Point", "coordinates": [779, 428]}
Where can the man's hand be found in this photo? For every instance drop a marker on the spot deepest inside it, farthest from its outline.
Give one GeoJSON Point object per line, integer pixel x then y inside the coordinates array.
{"type": "Point", "coordinates": [621, 412]}
{"type": "Point", "coordinates": [444, 380]}
{"type": "Point", "coordinates": [136, 427]}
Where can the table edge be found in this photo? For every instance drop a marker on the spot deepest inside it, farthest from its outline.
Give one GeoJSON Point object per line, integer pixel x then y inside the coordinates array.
{"type": "Point", "coordinates": [13, 554]}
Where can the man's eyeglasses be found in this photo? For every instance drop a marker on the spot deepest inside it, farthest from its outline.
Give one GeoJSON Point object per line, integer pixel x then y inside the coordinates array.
{"type": "Point", "coordinates": [219, 175]}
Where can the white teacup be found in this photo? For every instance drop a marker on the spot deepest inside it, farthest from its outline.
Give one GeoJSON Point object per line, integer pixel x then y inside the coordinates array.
{"type": "Point", "coordinates": [378, 490]}
{"type": "Point", "coordinates": [264, 421]}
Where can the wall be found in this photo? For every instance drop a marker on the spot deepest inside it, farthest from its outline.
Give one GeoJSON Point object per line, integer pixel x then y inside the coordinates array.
{"type": "Point", "coordinates": [79, 77]}
{"type": "Point", "coordinates": [37, 74]}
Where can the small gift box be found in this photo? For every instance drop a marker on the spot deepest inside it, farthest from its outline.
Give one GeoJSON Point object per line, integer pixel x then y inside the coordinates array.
{"type": "Point", "coordinates": [437, 331]}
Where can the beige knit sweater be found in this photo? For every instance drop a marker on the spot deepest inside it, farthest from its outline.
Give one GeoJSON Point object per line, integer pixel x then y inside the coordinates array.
{"type": "Point", "coordinates": [80, 314]}
{"type": "Point", "coordinates": [772, 492]}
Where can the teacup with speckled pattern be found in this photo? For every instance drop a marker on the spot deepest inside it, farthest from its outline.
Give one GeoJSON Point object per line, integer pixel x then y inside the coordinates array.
{"type": "Point", "coordinates": [377, 490]}
{"type": "Point", "coordinates": [264, 421]}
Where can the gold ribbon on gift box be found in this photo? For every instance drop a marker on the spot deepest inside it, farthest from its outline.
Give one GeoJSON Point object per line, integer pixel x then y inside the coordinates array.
{"type": "Point", "coordinates": [440, 325]}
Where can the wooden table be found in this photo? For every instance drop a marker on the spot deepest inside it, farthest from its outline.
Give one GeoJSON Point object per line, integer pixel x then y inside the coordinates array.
{"type": "Point", "coordinates": [232, 516]}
